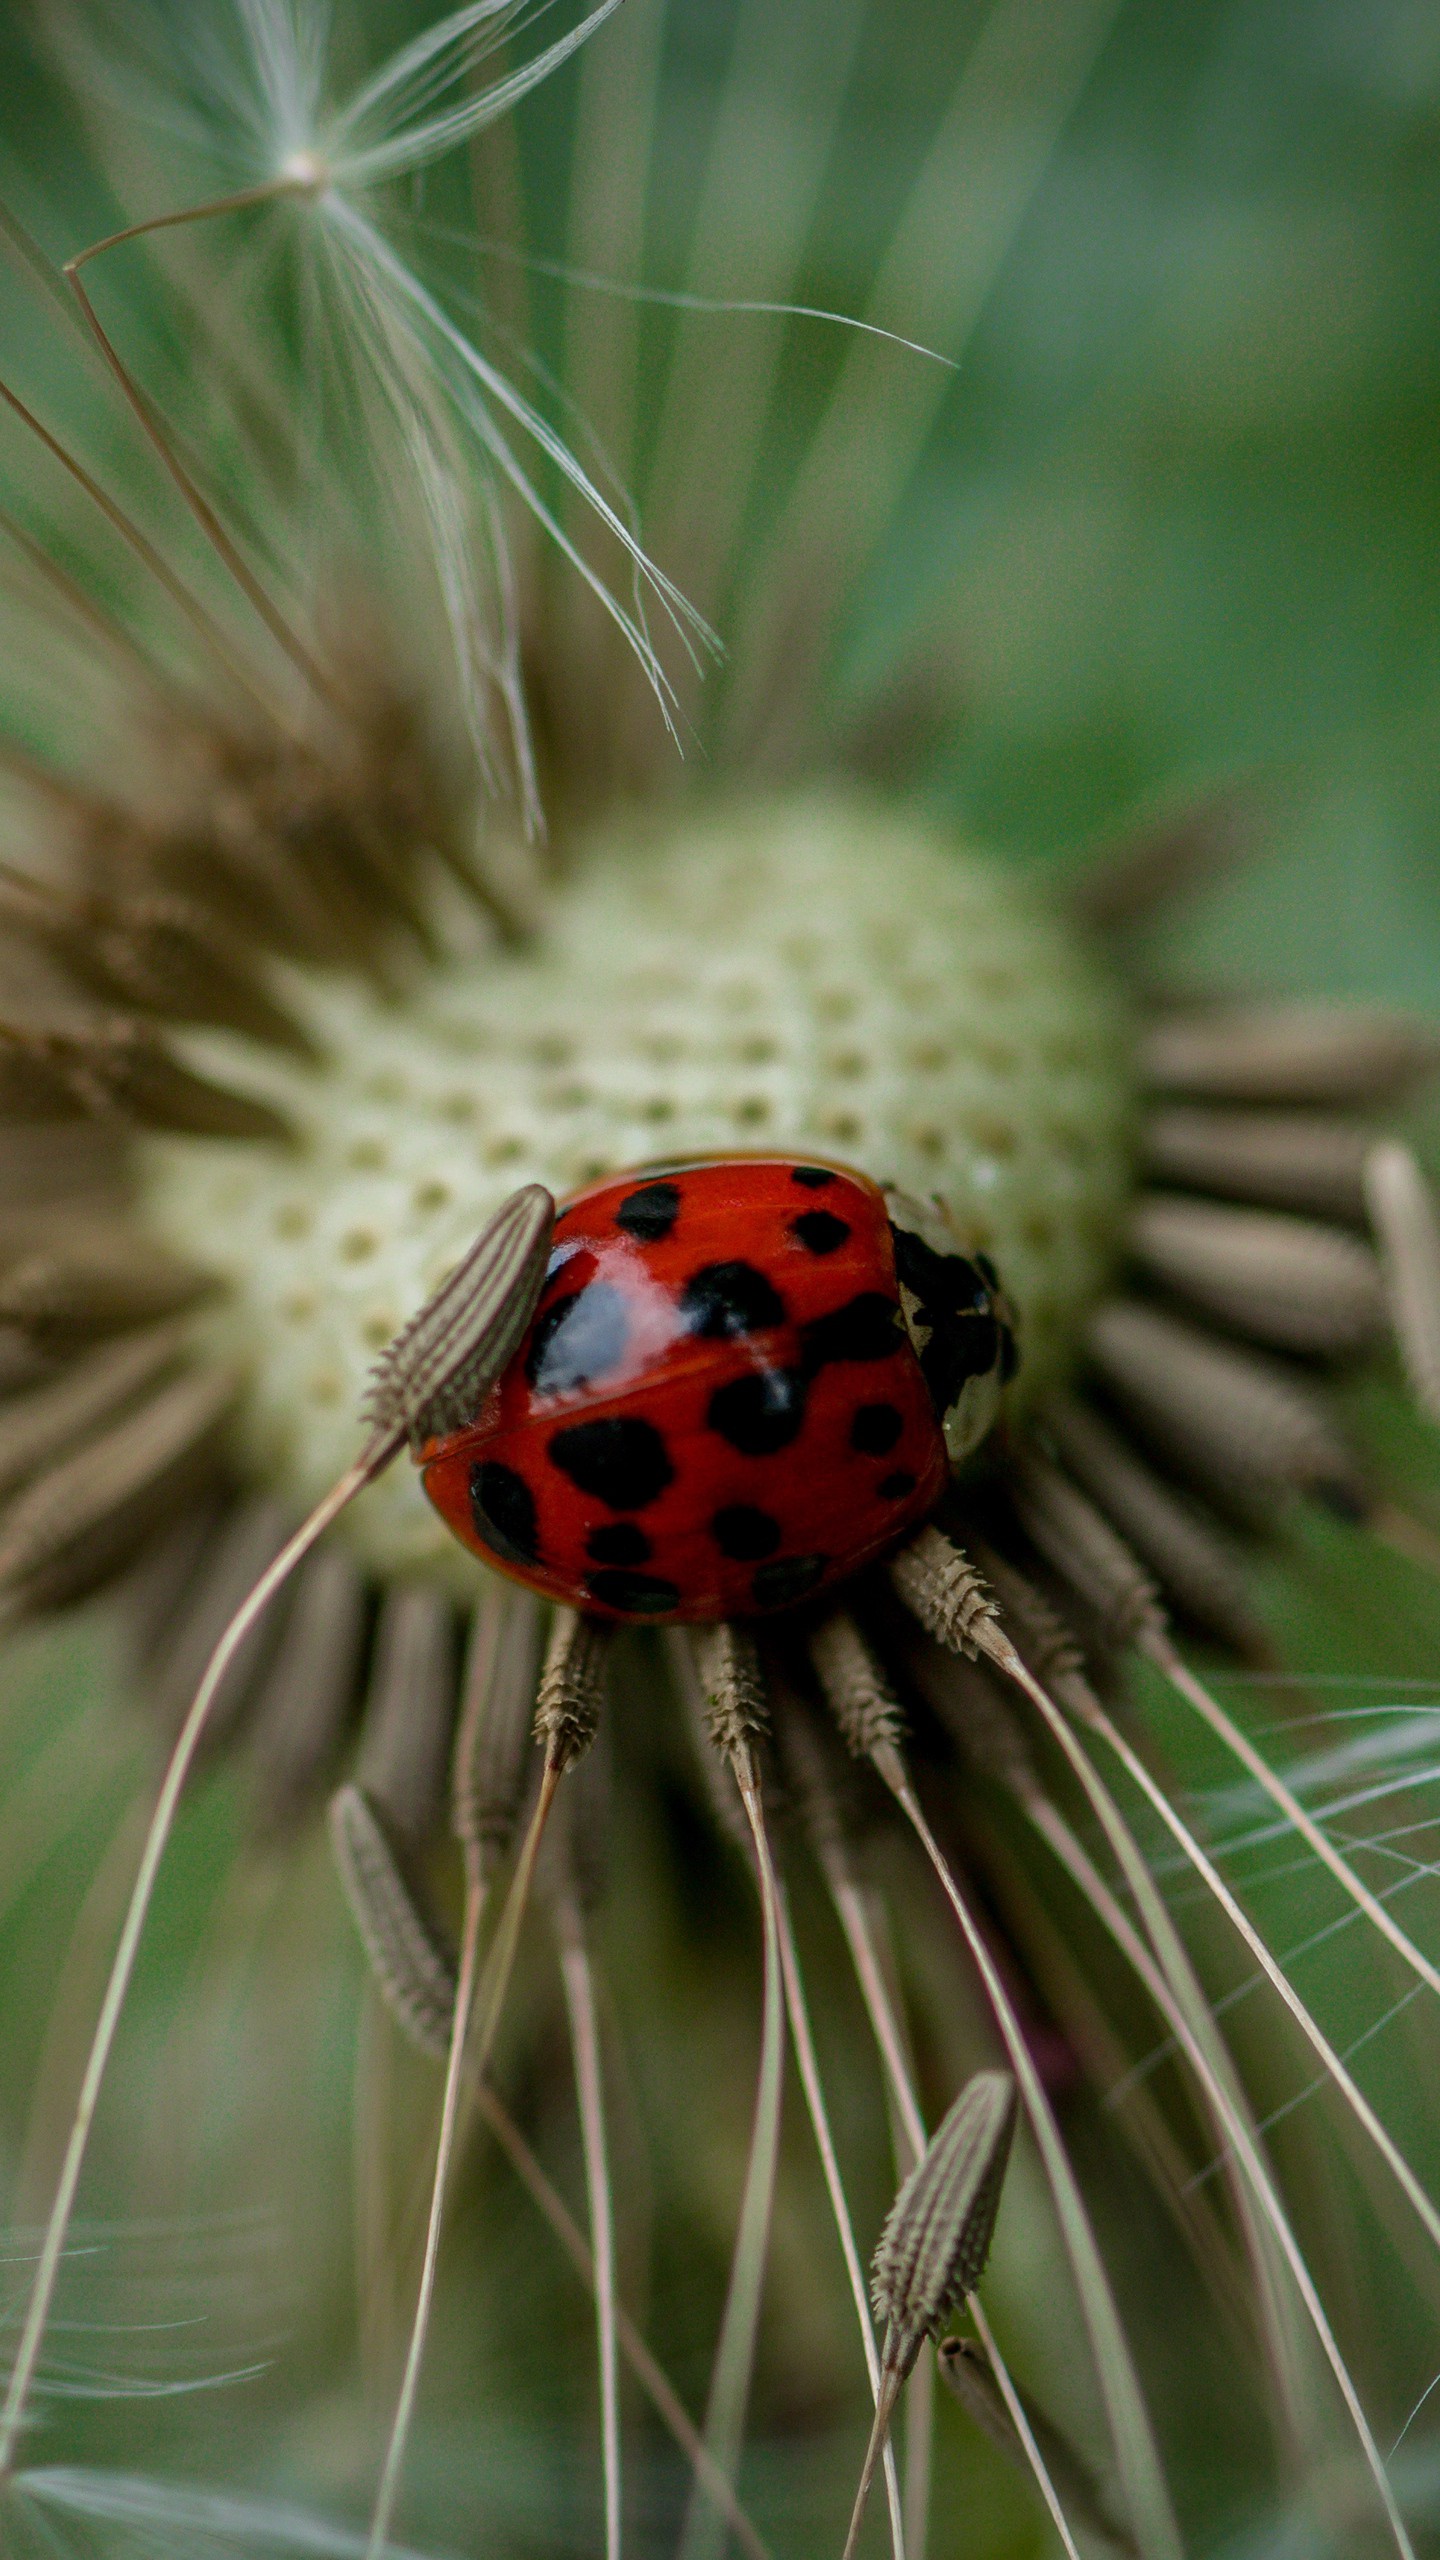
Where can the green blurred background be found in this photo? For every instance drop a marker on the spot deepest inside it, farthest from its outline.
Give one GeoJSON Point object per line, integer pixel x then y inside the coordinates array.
{"type": "Point", "coordinates": [1176, 529]}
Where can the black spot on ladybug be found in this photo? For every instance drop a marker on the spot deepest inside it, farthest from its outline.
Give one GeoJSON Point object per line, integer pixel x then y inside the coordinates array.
{"type": "Point", "coordinates": [724, 1300]}
{"type": "Point", "coordinates": [874, 1429]}
{"type": "Point", "coordinates": [502, 1507]}
{"type": "Point", "coordinates": [620, 1460]}
{"type": "Point", "coordinates": [640, 1595]}
{"type": "Point", "coordinates": [953, 1305]}
{"type": "Point", "coordinates": [894, 1487]}
{"type": "Point", "coordinates": [618, 1542]}
{"type": "Point", "coordinates": [743, 1533]}
{"type": "Point", "coordinates": [650, 1214]}
{"type": "Point", "coordinates": [865, 1328]}
{"type": "Point", "coordinates": [788, 1579]}
{"type": "Point", "coordinates": [819, 1231]}
{"type": "Point", "coordinates": [577, 1340]}
{"type": "Point", "coordinates": [760, 1413]}
{"type": "Point", "coordinates": [811, 1177]}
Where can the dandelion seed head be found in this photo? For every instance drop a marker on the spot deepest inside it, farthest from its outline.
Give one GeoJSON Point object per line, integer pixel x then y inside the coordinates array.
{"type": "Point", "coordinates": [688, 995]}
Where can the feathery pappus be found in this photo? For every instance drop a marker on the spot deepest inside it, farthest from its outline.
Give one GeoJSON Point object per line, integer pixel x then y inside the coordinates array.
{"type": "Point", "coordinates": [761, 1892]}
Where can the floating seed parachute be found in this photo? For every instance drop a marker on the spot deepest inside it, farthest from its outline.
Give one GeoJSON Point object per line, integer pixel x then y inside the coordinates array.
{"type": "Point", "coordinates": [357, 903]}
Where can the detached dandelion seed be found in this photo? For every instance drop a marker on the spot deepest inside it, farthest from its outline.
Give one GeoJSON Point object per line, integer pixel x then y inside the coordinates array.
{"type": "Point", "coordinates": [850, 1315]}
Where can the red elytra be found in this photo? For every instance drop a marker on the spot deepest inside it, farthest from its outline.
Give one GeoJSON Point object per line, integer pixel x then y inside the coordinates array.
{"type": "Point", "coordinates": [716, 1412]}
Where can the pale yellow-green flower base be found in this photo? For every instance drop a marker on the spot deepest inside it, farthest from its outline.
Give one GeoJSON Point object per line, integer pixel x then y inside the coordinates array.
{"type": "Point", "coordinates": [810, 975]}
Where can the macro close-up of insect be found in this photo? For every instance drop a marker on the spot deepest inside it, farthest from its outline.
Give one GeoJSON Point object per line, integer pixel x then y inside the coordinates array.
{"type": "Point", "coordinates": [719, 1299]}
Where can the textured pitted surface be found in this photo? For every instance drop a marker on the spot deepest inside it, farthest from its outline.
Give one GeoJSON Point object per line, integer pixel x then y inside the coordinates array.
{"type": "Point", "coordinates": [790, 976]}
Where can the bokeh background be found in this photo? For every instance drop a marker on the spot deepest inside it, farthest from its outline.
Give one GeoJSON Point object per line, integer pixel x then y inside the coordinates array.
{"type": "Point", "coordinates": [1173, 534]}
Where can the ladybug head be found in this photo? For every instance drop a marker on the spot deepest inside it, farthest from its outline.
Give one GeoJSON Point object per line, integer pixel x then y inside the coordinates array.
{"type": "Point", "coordinates": [957, 1317]}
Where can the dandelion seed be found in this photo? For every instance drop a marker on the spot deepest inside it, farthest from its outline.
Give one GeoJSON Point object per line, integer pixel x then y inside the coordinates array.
{"type": "Point", "coordinates": [936, 2241]}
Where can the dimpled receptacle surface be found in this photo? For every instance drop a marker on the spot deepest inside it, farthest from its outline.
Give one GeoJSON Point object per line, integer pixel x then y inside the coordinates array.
{"type": "Point", "coordinates": [806, 975]}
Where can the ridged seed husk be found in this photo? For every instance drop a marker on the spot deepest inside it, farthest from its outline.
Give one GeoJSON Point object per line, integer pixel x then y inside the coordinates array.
{"type": "Point", "coordinates": [571, 1696]}
{"type": "Point", "coordinates": [408, 1720]}
{"type": "Point", "coordinates": [1189, 1559]}
{"type": "Point", "coordinates": [494, 1743]}
{"type": "Point", "coordinates": [1047, 1643]}
{"type": "Point", "coordinates": [1086, 1552]}
{"type": "Point", "coordinates": [151, 953]}
{"type": "Point", "coordinates": [414, 1972]}
{"type": "Point", "coordinates": [855, 1687]}
{"type": "Point", "coordinates": [1303, 1160]}
{"type": "Point", "coordinates": [304, 1710]}
{"type": "Point", "coordinates": [434, 1374]}
{"type": "Point", "coordinates": [1303, 1053]}
{"type": "Point", "coordinates": [737, 1712]}
{"type": "Point", "coordinates": [717, 1775]}
{"type": "Point", "coordinates": [1232, 1422]}
{"type": "Point", "coordinates": [937, 2234]}
{"type": "Point", "coordinates": [37, 1427]}
{"type": "Point", "coordinates": [941, 1588]}
{"type": "Point", "coordinates": [1403, 1211]}
{"type": "Point", "coordinates": [120, 1069]}
{"type": "Point", "coordinates": [1287, 1281]}
{"type": "Point", "coordinates": [69, 1529]}
{"type": "Point", "coordinates": [75, 1278]}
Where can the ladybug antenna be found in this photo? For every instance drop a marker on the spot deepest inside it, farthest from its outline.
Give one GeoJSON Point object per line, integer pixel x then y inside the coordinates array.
{"type": "Point", "coordinates": [466, 1332]}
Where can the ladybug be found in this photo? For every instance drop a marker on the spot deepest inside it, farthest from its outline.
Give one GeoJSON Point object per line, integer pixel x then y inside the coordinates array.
{"type": "Point", "coordinates": [743, 1380]}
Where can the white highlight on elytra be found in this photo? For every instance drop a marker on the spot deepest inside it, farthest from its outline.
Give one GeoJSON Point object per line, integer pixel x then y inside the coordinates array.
{"type": "Point", "coordinates": [812, 976]}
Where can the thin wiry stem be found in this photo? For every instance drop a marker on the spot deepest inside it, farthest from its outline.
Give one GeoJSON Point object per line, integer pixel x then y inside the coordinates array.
{"type": "Point", "coordinates": [1205, 1868]}
{"type": "Point", "coordinates": [1019, 2418]}
{"type": "Point", "coordinates": [1156, 1645]}
{"type": "Point", "coordinates": [450, 2112]}
{"type": "Point", "coordinates": [650, 2376]}
{"type": "Point", "coordinates": [908, 2142]}
{"type": "Point", "coordinates": [735, 2352]}
{"type": "Point", "coordinates": [489, 1999]}
{"type": "Point", "coordinates": [289, 641]}
{"type": "Point", "coordinates": [810, 2081]}
{"type": "Point", "coordinates": [144, 549]}
{"type": "Point", "coordinates": [578, 1979]}
{"type": "Point", "coordinates": [1138, 2460]}
{"type": "Point", "coordinates": [1067, 1848]}
{"type": "Point", "coordinates": [854, 1915]}
{"type": "Point", "coordinates": [1218, 2076]}
{"type": "Point", "coordinates": [178, 1768]}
